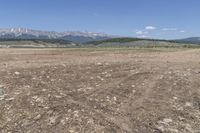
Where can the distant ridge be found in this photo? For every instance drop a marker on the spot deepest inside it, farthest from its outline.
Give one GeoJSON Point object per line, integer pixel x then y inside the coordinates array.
{"type": "Point", "coordinates": [192, 40]}
{"type": "Point", "coordinates": [77, 37]}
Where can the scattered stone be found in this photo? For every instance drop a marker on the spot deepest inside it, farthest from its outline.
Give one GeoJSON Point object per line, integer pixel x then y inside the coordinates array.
{"type": "Point", "coordinates": [99, 63]}
{"type": "Point", "coordinates": [114, 98]}
{"type": "Point", "coordinates": [52, 120]}
{"type": "Point", "coordinates": [173, 130]}
{"type": "Point", "coordinates": [161, 128]}
{"type": "Point", "coordinates": [38, 99]}
{"type": "Point", "coordinates": [162, 76]}
{"type": "Point", "coordinates": [175, 98]}
{"type": "Point", "coordinates": [37, 117]}
{"type": "Point", "coordinates": [188, 128]}
{"type": "Point", "coordinates": [108, 75]}
{"type": "Point", "coordinates": [167, 120]}
{"type": "Point", "coordinates": [133, 91]}
{"type": "Point", "coordinates": [188, 104]}
{"type": "Point", "coordinates": [57, 96]}
{"type": "Point", "coordinates": [76, 114]}
{"type": "Point", "coordinates": [63, 122]}
{"type": "Point", "coordinates": [1, 92]}
{"type": "Point", "coordinates": [133, 86]}
{"type": "Point", "coordinates": [126, 127]}
{"type": "Point", "coordinates": [89, 88]}
{"type": "Point", "coordinates": [17, 73]}
{"type": "Point", "coordinates": [90, 121]}
{"type": "Point", "coordinates": [181, 118]}
{"type": "Point", "coordinates": [104, 72]}
{"type": "Point", "coordinates": [71, 131]}
{"type": "Point", "coordinates": [10, 99]}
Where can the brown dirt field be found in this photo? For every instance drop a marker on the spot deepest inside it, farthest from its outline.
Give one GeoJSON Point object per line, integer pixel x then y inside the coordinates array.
{"type": "Point", "coordinates": [99, 90]}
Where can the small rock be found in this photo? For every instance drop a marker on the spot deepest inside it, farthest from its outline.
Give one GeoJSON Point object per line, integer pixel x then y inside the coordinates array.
{"type": "Point", "coordinates": [89, 88]}
{"type": "Point", "coordinates": [108, 75]}
{"type": "Point", "coordinates": [188, 104]}
{"type": "Point", "coordinates": [126, 127]}
{"type": "Point", "coordinates": [57, 96]}
{"type": "Point", "coordinates": [133, 91]}
{"type": "Point", "coordinates": [52, 120]}
{"type": "Point", "coordinates": [63, 122]}
{"type": "Point", "coordinates": [188, 128]}
{"type": "Point", "coordinates": [71, 131]}
{"type": "Point", "coordinates": [17, 73]}
{"type": "Point", "coordinates": [10, 99]}
{"type": "Point", "coordinates": [37, 117]}
{"type": "Point", "coordinates": [76, 114]}
{"type": "Point", "coordinates": [181, 118]}
{"type": "Point", "coordinates": [114, 98]}
{"type": "Point", "coordinates": [173, 130]}
{"type": "Point", "coordinates": [1, 92]}
{"type": "Point", "coordinates": [99, 63]}
{"type": "Point", "coordinates": [102, 79]}
{"type": "Point", "coordinates": [38, 99]}
{"type": "Point", "coordinates": [161, 128]}
{"type": "Point", "coordinates": [90, 121]}
{"type": "Point", "coordinates": [133, 86]}
{"type": "Point", "coordinates": [161, 77]}
{"type": "Point", "coordinates": [167, 120]}
{"type": "Point", "coordinates": [175, 98]}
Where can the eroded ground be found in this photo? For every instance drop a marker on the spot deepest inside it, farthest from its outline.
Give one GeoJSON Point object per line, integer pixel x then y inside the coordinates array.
{"type": "Point", "coordinates": [104, 90]}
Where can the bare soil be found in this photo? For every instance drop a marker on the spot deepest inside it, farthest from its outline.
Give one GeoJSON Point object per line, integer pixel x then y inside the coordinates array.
{"type": "Point", "coordinates": [99, 90]}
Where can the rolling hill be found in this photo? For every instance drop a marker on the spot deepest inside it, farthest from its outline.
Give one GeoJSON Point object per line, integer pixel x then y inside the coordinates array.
{"type": "Point", "coordinates": [36, 43]}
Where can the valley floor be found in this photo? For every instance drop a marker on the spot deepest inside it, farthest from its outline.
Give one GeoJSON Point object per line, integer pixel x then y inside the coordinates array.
{"type": "Point", "coordinates": [100, 90]}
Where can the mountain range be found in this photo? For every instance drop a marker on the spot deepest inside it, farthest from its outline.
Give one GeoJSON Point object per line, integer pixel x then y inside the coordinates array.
{"type": "Point", "coordinates": [77, 37]}
{"type": "Point", "coordinates": [192, 40]}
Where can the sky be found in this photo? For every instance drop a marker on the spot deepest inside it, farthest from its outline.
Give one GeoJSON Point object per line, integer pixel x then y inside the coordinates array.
{"type": "Point", "coordinates": [162, 19]}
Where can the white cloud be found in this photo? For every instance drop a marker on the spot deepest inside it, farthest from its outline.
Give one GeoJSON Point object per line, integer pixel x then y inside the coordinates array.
{"type": "Point", "coordinates": [142, 36]}
{"type": "Point", "coordinates": [169, 29]}
{"type": "Point", "coordinates": [150, 28]}
{"type": "Point", "coordinates": [140, 32]}
{"type": "Point", "coordinates": [182, 31]}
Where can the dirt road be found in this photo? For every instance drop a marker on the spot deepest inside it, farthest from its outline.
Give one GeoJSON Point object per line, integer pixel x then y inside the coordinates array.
{"type": "Point", "coordinates": [99, 90]}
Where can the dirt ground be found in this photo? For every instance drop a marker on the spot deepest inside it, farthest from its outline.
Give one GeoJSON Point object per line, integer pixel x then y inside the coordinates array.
{"type": "Point", "coordinates": [99, 90]}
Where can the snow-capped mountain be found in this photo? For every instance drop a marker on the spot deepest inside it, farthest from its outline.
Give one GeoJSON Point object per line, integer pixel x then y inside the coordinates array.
{"type": "Point", "coordinates": [24, 33]}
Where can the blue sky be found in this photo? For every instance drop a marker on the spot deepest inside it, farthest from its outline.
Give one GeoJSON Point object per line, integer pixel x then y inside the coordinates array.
{"type": "Point", "coordinates": [166, 19]}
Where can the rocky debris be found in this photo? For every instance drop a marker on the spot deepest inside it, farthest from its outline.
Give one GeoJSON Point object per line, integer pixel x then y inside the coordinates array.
{"type": "Point", "coordinates": [90, 95]}
{"type": "Point", "coordinates": [52, 120]}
